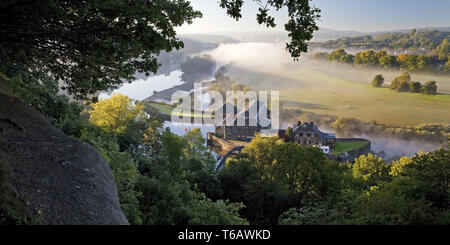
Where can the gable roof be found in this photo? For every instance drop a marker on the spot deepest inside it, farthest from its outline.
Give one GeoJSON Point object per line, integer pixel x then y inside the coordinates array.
{"type": "Point", "coordinates": [312, 127]}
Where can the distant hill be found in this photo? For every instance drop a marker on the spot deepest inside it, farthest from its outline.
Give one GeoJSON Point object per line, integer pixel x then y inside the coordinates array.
{"type": "Point", "coordinates": [418, 29]}
{"type": "Point", "coordinates": [206, 38]}
{"type": "Point", "coordinates": [415, 40]}
{"type": "Point", "coordinates": [281, 36]}
{"type": "Point", "coordinates": [324, 34]}
{"type": "Point", "coordinates": [255, 36]}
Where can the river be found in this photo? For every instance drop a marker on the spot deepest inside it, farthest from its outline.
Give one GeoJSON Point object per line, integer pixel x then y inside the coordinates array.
{"type": "Point", "coordinates": [143, 88]}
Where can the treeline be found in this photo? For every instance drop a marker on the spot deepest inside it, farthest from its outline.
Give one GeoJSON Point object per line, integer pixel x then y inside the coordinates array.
{"type": "Point", "coordinates": [403, 83]}
{"type": "Point", "coordinates": [439, 63]}
{"type": "Point", "coordinates": [350, 126]}
{"type": "Point", "coordinates": [417, 42]}
{"type": "Point", "coordinates": [197, 69]}
{"type": "Point", "coordinates": [345, 125]}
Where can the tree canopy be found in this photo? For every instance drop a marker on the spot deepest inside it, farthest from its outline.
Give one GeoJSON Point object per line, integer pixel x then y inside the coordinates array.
{"type": "Point", "coordinates": [90, 45]}
{"type": "Point", "coordinates": [97, 44]}
{"type": "Point", "coordinates": [116, 114]}
{"type": "Point", "coordinates": [378, 80]}
{"type": "Point", "coordinates": [400, 83]}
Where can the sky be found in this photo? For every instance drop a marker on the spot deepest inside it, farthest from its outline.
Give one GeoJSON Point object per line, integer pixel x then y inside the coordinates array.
{"type": "Point", "coordinates": [354, 15]}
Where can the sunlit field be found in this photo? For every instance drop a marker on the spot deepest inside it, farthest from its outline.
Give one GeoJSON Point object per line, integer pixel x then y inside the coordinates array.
{"type": "Point", "coordinates": [342, 147]}
{"type": "Point", "coordinates": [333, 89]}
{"type": "Point", "coordinates": [346, 91]}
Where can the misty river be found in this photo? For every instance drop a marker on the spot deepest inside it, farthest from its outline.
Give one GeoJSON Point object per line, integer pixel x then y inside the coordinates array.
{"type": "Point", "coordinates": [144, 88]}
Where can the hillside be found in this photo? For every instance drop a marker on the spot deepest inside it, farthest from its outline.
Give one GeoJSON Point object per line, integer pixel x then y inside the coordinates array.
{"type": "Point", "coordinates": [421, 41]}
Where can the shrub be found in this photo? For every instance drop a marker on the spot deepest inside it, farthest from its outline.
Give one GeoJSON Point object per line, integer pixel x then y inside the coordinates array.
{"type": "Point", "coordinates": [378, 81]}
{"type": "Point", "coordinates": [401, 83]}
{"type": "Point", "coordinates": [415, 87]}
{"type": "Point", "coordinates": [429, 87]}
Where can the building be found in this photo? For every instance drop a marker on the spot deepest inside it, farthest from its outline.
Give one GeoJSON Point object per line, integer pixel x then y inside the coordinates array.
{"type": "Point", "coordinates": [253, 123]}
{"type": "Point", "coordinates": [308, 134]}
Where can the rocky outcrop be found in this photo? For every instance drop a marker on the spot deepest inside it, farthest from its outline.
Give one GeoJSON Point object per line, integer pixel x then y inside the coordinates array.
{"type": "Point", "coordinates": [66, 181]}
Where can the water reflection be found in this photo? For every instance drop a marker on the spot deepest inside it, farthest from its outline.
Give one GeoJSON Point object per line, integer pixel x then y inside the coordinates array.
{"type": "Point", "coordinates": [143, 88]}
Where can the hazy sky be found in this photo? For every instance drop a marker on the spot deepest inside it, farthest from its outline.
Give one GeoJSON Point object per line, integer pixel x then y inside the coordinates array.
{"type": "Point", "coordinates": [358, 15]}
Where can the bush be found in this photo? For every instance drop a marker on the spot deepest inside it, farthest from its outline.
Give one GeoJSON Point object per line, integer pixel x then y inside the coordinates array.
{"type": "Point", "coordinates": [348, 124]}
{"type": "Point", "coordinates": [430, 87]}
{"type": "Point", "coordinates": [319, 215]}
{"type": "Point", "coordinates": [401, 83]}
{"type": "Point", "coordinates": [415, 87]}
{"type": "Point", "coordinates": [203, 211]}
{"type": "Point", "coordinates": [320, 56]}
{"type": "Point", "coordinates": [378, 81]}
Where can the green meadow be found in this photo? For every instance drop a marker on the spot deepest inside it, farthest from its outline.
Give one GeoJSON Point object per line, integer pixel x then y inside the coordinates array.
{"type": "Point", "coordinates": [340, 90]}
{"type": "Point", "coordinates": [342, 147]}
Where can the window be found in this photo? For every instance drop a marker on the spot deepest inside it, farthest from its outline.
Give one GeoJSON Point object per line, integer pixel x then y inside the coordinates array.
{"type": "Point", "coordinates": [308, 135]}
{"type": "Point", "coordinates": [301, 134]}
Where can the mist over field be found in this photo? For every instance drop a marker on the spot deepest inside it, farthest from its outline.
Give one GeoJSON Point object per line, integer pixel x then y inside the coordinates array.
{"type": "Point", "coordinates": [394, 147]}
{"type": "Point", "coordinates": [331, 88]}
{"type": "Point", "coordinates": [272, 58]}
{"type": "Point", "coordinates": [338, 90]}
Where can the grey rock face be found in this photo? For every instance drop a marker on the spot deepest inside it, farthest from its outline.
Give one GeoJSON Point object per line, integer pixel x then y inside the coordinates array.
{"type": "Point", "coordinates": [68, 181]}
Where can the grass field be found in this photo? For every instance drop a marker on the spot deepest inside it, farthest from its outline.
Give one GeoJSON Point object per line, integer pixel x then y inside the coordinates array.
{"type": "Point", "coordinates": [346, 91]}
{"type": "Point", "coordinates": [342, 147]}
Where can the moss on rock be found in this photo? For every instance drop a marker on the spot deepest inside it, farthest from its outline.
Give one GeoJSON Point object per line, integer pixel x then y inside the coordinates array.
{"type": "Point", "coordinates": [13, 209]}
